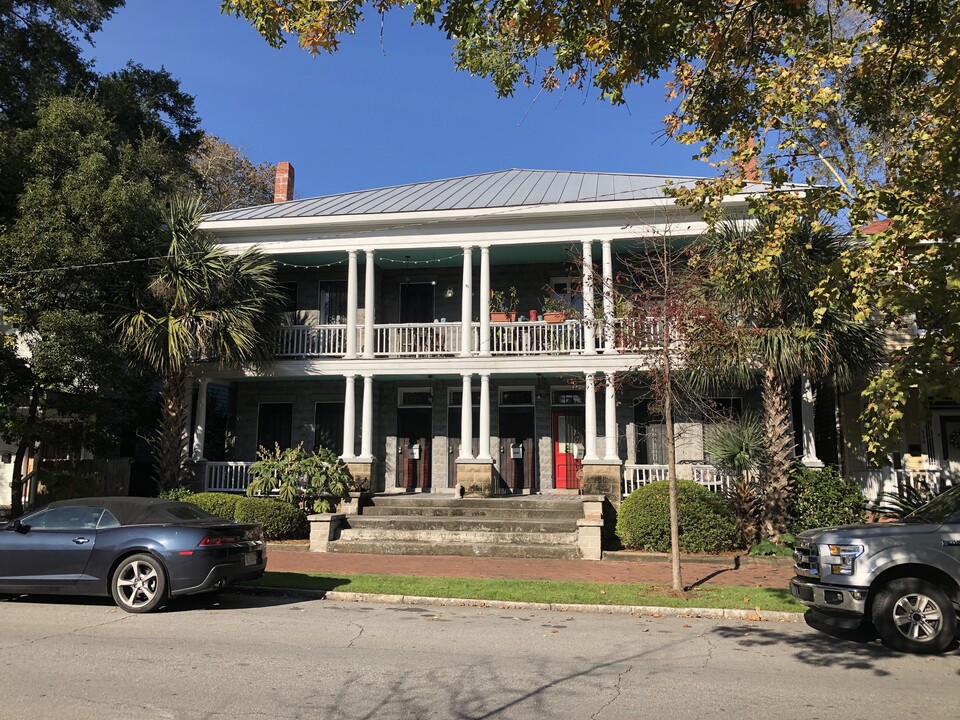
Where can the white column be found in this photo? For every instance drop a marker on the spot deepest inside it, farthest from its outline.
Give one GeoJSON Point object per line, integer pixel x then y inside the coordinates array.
{"type": "Point", "coordinates": [466, 421]}
{"type": "Point", "coordinates": [366, 419]}
{"type": "Point", "coordinates": [368, 306]}
{"type": "Point", "coordinates": [349, 418]}
{"type": "Point", "coordinates": [351, 304]}
{"type": "Point", "coordinates": [466, 304]}
{"type": "Point", "coordinates": [200, 426]}
{"type": "Point", "coordinates": [608, 319]}
{"type": "Point", "coordinates": [484, 452]}
{"type": "Point", "coordinates": [484, 302]}
{"type": "Point", "coordinates": [589, 316]}
{"type": "Point", "coordinates": [611, 451]}
{"type": "Point", "coordinates": [590, 419]}
{"type": "Point", "coordinates": [807, 418]}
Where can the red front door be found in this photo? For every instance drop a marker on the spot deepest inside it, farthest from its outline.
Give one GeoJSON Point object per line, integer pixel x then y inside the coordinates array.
{"type": "Point", "coordinates": [568, 431]}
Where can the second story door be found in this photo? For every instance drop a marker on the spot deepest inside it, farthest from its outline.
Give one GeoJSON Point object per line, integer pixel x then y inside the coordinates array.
{"type": "Point", "coordinates": [416, 302]}
{"type": "Point", "coordinates": [333, 302]}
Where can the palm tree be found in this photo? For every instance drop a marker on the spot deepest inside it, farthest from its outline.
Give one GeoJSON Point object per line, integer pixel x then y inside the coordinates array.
{"type": "Point", "coordinates": [736, 447]}
{"type": "Point", "coordinates": [763, 276]}
{"type": "Point", "coordinates": [200, 305]}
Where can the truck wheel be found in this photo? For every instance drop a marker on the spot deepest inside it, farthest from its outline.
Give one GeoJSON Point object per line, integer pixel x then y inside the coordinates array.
{"type": "Point", "coordinates": [914, 616]}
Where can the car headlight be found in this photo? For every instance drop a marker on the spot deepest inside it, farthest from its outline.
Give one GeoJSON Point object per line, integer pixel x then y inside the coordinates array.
{"type": "Point", "coordinates": [841, 558]}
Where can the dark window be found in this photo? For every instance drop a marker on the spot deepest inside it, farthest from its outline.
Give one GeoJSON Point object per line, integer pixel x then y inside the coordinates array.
{"type": "Point", "coordinates": [66, 518]}
{"type": "Point", "coordinates": [516, 397]}
{"type": "Point", "coordinates": [416, 398]}
{"type": "Point", "coordinates": [289, 292]}
{"type": "Point", "coordinates": [274, 425]}
{"type": "Point", "coordinates": [329, 426]}
{"type": "Point", "coordinates": [333, 302]}
{"type": "Point", "coordinates": [107, 520]}
{"type": "Point", "coordinates": [568, 397]}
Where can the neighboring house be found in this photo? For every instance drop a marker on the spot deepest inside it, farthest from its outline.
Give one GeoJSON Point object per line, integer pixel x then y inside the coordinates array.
{"type": "Point", "coordinates": [391, 330]}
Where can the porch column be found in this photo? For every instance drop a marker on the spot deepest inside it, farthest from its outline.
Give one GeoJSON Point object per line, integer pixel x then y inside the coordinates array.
{"type": "Point", "coordinates": [807, 419]}
{"type": "Point", "coordinates": [589, 316]}
{"type": "Point", "coordinates": [351, 305]}
{"type": "Point", "coordinates": [200, 426]}
{"type": "Point", "coordinates": [608, 319]}
{"type": "Point", "coordinates": [366, 419]}
{"type": "Point", "coordinates": [466, 421]}
{"type": "Point", "coordinates": [368, 306]}
{"type": "Point", "coordinates": [349, 418]}
{"type": "Point", "coordinates": [611, 451]}
{"type": "Point", "coordinates": [484, 302]}
{"type": "Point", "coordinates": [590, 419]}
{"type": "Point", "coordinates": [484, 452]}
{"type": "Point", "coordinates": [466, 303]}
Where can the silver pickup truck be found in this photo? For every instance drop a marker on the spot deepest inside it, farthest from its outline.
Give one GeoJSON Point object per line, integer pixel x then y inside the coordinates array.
{"type": "Point", "coordinates": [903, 577]}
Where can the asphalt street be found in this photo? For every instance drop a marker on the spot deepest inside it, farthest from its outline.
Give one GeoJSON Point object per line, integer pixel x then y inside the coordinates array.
{"type": "Point", "coordinates": [250, 656]}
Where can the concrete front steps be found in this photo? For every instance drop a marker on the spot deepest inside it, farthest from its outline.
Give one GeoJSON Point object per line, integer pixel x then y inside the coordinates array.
{"type": "Point", "coordinates": [534, 527]}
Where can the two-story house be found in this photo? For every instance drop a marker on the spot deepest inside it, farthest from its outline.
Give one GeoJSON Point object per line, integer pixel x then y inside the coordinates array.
{"type": "Point", "coordinates": [394, 355]}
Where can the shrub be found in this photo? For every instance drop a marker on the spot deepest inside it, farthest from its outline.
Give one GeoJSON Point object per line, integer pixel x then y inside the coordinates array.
{"type": "Point", "coordinates": [706, 524]}
{"type": "Point", "coordinates": [822, 498]}
{"type": "Point", "coordinates": [216, 503]}
{"type": "Point", "coordinates": [299, 476]}
{"type": "Point", "coordinates": [178, 493]}
{"type": "Point", "coordinates": [280, 520]}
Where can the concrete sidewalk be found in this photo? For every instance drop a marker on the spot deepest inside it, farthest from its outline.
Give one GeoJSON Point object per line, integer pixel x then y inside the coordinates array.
{"type": "Point", "coordinates": [614, 568]}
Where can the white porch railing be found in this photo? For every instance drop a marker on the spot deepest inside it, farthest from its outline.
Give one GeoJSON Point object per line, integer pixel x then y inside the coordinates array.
{"type": "Point", "coordinates": [636, 476]}
{"type": "Point", "coordinates": [226, 477]}
{"type": "Point", "coordinates": [877, 481]}
{"type": "Point", "coordinates": [312, 340]}
{"type": "Point", "coordinates": [444, 339]}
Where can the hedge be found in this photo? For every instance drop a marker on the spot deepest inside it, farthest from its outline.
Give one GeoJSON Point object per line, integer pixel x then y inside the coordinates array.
{"type": "Point", "coordinates": [216, 503]}
{"type": "Point", "coordinates": [821, 498]}
{"type": "Point", "coordinates": [280, 520]}
{"type": "Point", "coordinates": [706, 524]}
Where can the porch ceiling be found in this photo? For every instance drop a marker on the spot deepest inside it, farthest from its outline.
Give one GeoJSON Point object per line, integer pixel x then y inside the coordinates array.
{"type": "Point", "coordinates": [453, 257]}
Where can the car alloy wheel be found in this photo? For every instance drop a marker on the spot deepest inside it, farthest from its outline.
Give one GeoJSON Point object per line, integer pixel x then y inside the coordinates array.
{"type": "Point", "coordinates": [138, 584]}
{"type": "Point", "coordinates": [914, 615]}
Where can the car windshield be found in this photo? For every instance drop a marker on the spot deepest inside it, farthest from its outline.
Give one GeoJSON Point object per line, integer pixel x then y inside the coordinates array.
{"type": "Point", "coordinates": [943, 508]}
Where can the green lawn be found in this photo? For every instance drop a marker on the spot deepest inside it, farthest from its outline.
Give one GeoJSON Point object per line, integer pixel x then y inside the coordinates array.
{"type": "Point", "coordinates": [542, 591]}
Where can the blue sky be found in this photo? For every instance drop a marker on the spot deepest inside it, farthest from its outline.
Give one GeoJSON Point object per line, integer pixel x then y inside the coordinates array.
{"type": "Point", "coordinates": [371, 116]}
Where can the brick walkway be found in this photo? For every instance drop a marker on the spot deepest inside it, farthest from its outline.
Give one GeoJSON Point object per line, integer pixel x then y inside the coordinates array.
{"type": "Point", "coordinates": [720, 571]}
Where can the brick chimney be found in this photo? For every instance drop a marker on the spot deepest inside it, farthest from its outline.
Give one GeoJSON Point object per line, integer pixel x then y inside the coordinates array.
{"type": "Point", "coordinates": [283, 184]}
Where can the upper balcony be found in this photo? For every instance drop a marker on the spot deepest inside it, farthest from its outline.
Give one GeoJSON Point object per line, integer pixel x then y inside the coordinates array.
{"type": "Point", "coordinates": [445, 339]}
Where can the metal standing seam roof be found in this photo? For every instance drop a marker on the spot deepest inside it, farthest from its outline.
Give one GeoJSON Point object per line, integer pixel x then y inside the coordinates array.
{"type": "Point", "coordinates": [505, 188]}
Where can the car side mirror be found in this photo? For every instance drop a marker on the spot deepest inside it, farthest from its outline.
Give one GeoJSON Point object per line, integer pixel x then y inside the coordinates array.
{"type": "Point", "coordinates": [17, 526]}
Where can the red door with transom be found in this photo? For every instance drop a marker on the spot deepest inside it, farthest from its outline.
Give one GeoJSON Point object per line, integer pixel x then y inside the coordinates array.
{"type": "Point", "coordinates": [568, 442]}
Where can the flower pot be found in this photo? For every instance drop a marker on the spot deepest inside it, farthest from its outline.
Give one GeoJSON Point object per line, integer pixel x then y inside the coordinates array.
{"type": "Point", "coordinates": [503, 316]}
{"type": "Point", "coordinates": [557, 316]}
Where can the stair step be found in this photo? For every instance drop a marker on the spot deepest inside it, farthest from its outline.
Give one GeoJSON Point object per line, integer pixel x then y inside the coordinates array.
{"type": "Point", "coordinates": [409, 547]}
{"type": "Point", "coordinates": [573, 503]}
{"type": "Point", "coordinates": [444, 537]}
{"type": "Point", "coordinates": [472, 511]}
{"type": "Point", "coordinates": [468, 524]}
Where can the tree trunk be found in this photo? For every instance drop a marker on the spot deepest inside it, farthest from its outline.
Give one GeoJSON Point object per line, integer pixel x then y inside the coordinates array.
{"type": "Point", "coordinates": [778, 459]}
{"type": "Point", "coordinates": [672, 483]}
{"type": "Point", "coordinates": [671, 459]}
{"type": "Point", "coordinates": [16, 482]}
{"type": "Point", "coordinates": [170, 441]}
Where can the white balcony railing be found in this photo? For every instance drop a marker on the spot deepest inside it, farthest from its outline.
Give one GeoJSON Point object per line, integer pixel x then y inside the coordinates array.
{"type": "Point", "coordinates": [444, 339]}
{"type": "Point", "coordinates": [227, 476]}
{"type": "Point", "coordinates": [636, 476]}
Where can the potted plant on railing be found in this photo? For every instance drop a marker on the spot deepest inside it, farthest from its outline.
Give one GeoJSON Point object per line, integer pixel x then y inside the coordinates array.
{"type": "Point", "coordinates": [503, 305]}
{"type": "Point", "coordinates": [554, 309]}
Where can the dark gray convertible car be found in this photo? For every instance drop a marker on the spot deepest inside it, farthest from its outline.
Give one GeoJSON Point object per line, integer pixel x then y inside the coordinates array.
{"type": "Point", "coordinates": [139, 550]}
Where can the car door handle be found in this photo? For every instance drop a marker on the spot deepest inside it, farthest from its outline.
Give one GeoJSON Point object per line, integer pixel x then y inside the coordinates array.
{"type": "Point", "coordinates": [80, 540]}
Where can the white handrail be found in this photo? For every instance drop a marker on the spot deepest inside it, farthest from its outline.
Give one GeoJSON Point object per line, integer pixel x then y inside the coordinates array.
{"type": "Point", "coordinates": [226, 476]}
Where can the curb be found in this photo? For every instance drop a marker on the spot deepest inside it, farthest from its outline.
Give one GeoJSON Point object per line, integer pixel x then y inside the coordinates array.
{"type": "Point", "coordinates": [647, 610]}
{"type": "Point", "coordinates": [733, 561]}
